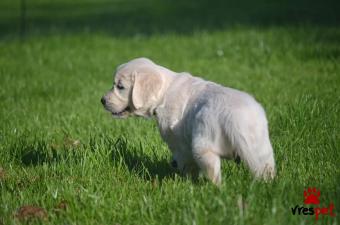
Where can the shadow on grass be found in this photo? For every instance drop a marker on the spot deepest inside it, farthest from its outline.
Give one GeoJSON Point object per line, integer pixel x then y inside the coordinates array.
{"type": "Point", "coordinates": [38, 152]}
{"type": "Point", "coordinates": [32, 154]}
{"type": "Point", "coordinates": [148, 168]}
{"type": "Point", "coordinates": [130, 17]}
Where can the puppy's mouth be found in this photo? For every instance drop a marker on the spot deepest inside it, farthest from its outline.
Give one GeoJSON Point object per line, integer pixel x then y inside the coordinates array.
{"type": "Point", "coordinates": [122, 113]}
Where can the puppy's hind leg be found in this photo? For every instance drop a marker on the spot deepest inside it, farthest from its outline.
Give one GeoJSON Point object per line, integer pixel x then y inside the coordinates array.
{"type": "Point", "coordinates": [209, 163]}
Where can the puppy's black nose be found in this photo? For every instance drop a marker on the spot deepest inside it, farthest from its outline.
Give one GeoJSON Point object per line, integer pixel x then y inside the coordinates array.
{"type": "Point", "coordinates": [174, 163]}
{"type": "Point", "coordinates": [103, 100]}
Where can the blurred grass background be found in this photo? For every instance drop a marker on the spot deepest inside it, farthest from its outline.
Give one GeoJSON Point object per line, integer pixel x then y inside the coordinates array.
{"type": "Point", "coordinates": [132, 17]}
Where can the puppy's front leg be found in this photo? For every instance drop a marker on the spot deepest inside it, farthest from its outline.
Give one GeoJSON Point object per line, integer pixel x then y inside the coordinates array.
{"type": "Point", "coordinates": [210, 164]}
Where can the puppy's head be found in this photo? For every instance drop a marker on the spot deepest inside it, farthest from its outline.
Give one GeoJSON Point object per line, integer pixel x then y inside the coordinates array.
{"type": "Point", "coordinates": [136, 90]}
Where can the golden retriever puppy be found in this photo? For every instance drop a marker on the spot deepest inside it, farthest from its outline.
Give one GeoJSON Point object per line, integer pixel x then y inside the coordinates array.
{"type": "Point", "coordinates": [201, 121]}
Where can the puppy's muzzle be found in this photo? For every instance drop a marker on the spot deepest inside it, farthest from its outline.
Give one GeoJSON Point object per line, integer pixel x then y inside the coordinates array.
{"type": "Point", "coordinates": [103, 100]}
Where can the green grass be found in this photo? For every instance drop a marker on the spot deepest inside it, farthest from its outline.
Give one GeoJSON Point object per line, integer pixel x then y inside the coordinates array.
{"type": "Point", "coordinates": [57, 143]}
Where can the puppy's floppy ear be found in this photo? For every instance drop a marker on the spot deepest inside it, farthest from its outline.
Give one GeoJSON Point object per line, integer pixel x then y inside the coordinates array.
{"type": "Point", "coordinates": [146, 89]}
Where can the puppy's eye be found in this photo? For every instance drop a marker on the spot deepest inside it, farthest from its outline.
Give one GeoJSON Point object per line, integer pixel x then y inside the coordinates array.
{"type": "Point", "coordinates": [120, 86]}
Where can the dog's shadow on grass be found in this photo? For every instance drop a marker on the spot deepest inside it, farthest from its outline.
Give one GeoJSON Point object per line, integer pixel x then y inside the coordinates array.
{"type": "Point", "coordinates": [34, 153]}
{"type": "Point", "coordinates": [145, 166]}
{"type": "Point", "coordinates": [37, 151]}
{"type": "Point", "coordinates": [133, 158]}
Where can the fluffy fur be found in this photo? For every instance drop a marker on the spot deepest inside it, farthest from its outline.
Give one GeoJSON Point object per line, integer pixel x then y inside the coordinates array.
{"type": "Point", "coordinates": [200, 121]}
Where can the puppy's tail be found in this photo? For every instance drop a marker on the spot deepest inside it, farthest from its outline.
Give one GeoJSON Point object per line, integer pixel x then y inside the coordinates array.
{"type": "Point", "coordinates": [250, 139]}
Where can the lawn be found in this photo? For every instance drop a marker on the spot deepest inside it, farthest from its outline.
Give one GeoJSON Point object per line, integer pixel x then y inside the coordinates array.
{"type": "Point", "coordinates": [60, 150]}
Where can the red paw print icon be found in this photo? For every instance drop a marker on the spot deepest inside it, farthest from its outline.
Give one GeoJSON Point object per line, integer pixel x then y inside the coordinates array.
{"type": "Point", "coordinates": [312, 196]}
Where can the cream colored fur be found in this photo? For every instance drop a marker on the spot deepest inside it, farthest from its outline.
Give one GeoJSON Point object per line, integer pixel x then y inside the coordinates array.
{"type": "Point", "coordinates": [201, 121]}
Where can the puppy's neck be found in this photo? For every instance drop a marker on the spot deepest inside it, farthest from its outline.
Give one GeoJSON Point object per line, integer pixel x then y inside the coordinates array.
{"type": "Point", "coordinates": [168, 78]}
